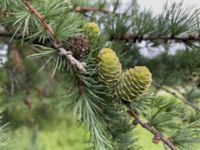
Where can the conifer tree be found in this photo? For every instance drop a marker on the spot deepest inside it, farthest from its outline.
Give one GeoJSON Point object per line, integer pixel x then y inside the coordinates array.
{"type": "Point", "coordinates": [93, 52]}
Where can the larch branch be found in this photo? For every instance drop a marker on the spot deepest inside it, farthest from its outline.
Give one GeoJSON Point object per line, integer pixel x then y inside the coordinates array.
{"type": "Point", "coordinates": [63, 52]}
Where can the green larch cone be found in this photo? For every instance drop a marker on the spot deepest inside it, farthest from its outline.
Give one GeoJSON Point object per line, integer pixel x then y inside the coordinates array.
{"type": "Point", "coordinates": [109, 68]}
{"type": "Point", "coordinates": [133, 83]}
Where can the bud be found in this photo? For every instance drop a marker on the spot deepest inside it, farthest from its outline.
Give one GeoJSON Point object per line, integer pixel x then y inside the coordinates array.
{"type": "Point", "coordinates": [156, 139]}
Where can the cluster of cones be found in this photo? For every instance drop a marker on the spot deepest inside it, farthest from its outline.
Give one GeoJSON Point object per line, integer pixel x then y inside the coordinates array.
{"type": "Point", "coordinates": [129, 84]}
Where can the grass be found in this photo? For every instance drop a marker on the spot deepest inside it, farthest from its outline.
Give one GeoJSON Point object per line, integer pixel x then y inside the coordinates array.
{"type": "Point", "coordinates": [145, 140]}
{"type": "Point", "coordinates": [62, 133]}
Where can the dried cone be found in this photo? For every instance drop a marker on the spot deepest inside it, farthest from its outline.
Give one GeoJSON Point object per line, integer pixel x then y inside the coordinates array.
{"type": "Point", "coordinates": [79, 46]}
{"type": "Point", "coordinates": [109, 67]}
{"type": "Point", "coordinates": [133, 83]}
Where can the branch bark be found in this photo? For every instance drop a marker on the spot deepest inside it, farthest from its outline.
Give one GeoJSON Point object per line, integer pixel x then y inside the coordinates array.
{"type": "Point", "coordinates": [81, 9]}
{"type": "Point", "coordinates": [146, 126]}
{"type": "Point", "coordinates": [134, 37]}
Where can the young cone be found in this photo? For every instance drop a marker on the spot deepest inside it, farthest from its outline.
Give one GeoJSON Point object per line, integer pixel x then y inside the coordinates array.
{"type": "Point", "coordinates": [109, 67]}
{"type": "Point", "coordinates": [133, 83]}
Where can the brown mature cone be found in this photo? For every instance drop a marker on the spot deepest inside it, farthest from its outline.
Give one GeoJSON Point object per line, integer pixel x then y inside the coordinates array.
{"type": "Point", "coordinates": [79, 46]}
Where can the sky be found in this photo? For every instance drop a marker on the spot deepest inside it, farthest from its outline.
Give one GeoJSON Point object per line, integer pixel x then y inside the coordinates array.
{"type": "Point", "coordinates": [156, 5]}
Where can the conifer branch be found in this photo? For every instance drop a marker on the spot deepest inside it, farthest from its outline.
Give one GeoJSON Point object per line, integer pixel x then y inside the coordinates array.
{"type": "Point", "coordinates": [183, 99]}
{"type": "Point", "coordinates": [135, 37]}
{"type": "Point", "coordinates": [146, 126]}
{"type": "Point", "coordinates": [40, 17]}
{"type": "Point", "coordinates": [63, 52]}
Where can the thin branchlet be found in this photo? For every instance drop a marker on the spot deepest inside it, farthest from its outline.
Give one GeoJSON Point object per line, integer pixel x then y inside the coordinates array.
{"type": "Point", "coordinates": [40, 17]}
{"type": "Point", "coordinates": [184, 100]}
{"type": "Point", "coordinates": [149, 128]}
{"type": "Point", "coordinates": [82, 9]}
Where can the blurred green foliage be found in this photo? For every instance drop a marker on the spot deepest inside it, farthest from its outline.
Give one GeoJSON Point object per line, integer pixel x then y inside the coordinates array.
{"type": "Point", "coordinates": [58, 134]}
{"type": "Point", "coordinates": [61, 133]}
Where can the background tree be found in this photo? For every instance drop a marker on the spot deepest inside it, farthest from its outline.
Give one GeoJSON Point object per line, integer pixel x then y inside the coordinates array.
{"type": "Point", "coordinates": [90, 53]}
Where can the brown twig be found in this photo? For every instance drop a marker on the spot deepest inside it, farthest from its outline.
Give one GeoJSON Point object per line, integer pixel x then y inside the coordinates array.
{"type": "Point", "coordinates": [135, 37]}
{"type": "Point", "coordinates": [146, 126]}
{"type": "Point", "coordinates": [81, 9]}
{"type": "Point", "coordinates": [183, 99]}
{"type": "Point", "coordinates": [40, 17]}
{"type": "Point", "coordinates": [6, 34]}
